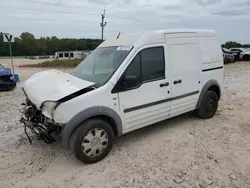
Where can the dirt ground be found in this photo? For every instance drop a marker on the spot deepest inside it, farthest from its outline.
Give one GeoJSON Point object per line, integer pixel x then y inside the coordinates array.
{"type": "Point", "coordinates": [182, 152]}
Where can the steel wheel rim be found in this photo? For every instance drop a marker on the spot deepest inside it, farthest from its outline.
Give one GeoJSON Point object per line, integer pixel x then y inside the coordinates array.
{"type": "Point", "coordinates": [95, 142]}
{"type": "Point", "coordinates": [210, 105]}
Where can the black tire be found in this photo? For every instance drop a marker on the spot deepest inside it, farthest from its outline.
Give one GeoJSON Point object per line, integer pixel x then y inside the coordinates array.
{"type": "Point", "coordinates": [246, 57]}
{"type": "Point", "coordinates": [79, 134]}
{"type": "Point", "coordinates": [208, 105]}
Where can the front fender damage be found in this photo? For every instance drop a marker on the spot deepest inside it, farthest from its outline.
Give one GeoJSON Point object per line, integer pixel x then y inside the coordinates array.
{"type": "Point", "coordinates": [40, 119]}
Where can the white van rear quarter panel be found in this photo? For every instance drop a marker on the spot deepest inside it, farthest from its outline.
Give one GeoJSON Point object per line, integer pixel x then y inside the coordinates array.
{"type": "Point", "coordinates": [211, 52]}
{"type": "Point", "coordinates": [212, 60]}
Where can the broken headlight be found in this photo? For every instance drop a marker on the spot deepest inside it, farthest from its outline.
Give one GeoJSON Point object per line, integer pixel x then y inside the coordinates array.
{"type": "Point", "coordinates": [48, 108]}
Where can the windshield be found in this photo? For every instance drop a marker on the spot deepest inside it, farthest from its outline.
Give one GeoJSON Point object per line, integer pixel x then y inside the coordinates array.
{"type": "Point", "coordinates": [101, 64]}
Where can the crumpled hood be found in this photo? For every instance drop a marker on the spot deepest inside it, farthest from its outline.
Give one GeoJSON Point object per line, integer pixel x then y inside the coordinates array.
{"type": "Point", "coordinates": [52, 85]}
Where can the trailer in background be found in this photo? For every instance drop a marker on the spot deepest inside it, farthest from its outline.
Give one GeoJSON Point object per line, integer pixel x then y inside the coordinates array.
{"type": "Point", "coordinates": [71, 55]}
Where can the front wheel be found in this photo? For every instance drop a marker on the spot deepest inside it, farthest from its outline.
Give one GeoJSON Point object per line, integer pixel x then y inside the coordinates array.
{"type": "Point", "coordinates": [208, 105]}
{"type": "Point", "coordinates": [92, 141]}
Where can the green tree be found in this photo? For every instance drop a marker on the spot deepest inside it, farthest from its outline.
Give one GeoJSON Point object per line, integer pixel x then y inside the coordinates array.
{"type": "Point", "coordinates": [4, 48]}
{"type": "Point", "coordinates": [232, 44]}
{"type": "Point", "coordinates": [27, 45]}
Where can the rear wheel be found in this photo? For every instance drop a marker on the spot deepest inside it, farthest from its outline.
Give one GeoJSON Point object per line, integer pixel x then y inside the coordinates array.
{"type": "Point", "coordinates": [92, 141]}
{"type": "Point", "coordinates": [246, 57]}
{"type": "Point", "coordinates": [208, 105]}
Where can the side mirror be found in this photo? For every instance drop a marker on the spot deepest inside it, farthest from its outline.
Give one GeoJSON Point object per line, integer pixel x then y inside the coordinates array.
{"type": "Point", "coordinates": [127, 82]}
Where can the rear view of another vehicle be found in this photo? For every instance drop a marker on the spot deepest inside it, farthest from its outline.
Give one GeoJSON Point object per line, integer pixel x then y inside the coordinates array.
{"type": "Point", "coordinates": [228, 56]}
{"type": "Point", "coordinates": [7, 80]}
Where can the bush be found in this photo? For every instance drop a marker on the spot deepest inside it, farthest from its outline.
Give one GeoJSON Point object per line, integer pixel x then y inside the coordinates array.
{"type": "Point", "coordinates": [56, 63]}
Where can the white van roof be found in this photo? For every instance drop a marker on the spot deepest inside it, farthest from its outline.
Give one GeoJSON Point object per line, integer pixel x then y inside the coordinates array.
{"type": "Point", "coordinates": [152, 36]}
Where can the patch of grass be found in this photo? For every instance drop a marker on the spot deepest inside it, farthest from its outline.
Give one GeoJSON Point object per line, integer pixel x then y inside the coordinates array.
{"type": "Point", "coordinates": [55, 63]}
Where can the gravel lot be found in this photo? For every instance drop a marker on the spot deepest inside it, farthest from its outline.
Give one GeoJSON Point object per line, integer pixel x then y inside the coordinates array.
{"type": "Point", "coordinates": [182, 152]}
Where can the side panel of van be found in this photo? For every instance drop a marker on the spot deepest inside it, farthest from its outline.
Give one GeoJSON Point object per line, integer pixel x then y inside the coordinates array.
{"type": "Point", "coordinates": [211, 60]}
{"type": "Point", "coordinates": [185, 68]}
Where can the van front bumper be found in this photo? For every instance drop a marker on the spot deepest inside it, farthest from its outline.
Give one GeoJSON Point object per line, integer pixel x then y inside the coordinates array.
{"type": "Point", "coordinates": [43, 127]}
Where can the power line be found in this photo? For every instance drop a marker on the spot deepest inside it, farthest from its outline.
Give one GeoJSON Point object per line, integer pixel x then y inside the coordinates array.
{"type": "Point", "coordinates": [103, 24]}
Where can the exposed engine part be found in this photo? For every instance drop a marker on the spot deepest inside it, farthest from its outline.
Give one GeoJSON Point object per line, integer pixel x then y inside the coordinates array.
{"type": "Point", "coordinates": [40, 125]}
{"type": "Point", "coordinates": [25, 131]}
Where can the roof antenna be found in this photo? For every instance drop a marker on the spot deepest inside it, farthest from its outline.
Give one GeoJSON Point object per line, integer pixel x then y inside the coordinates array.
{"type": "Point", "coordinates": [118, 35]}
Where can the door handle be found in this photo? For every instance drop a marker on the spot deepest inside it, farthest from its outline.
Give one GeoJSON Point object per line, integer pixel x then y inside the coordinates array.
{"type": "Point", "coordinates": [177, 81]}
{"type": "Point", "coordinates": [164, 84]}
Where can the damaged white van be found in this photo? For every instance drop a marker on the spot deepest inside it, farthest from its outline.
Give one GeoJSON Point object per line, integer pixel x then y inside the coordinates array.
{"type": "Point", "coordinates": [128, 82]}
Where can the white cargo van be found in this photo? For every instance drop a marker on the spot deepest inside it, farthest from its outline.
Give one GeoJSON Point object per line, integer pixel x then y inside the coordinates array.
{"type": "Point", "coordinates": [128, 82]}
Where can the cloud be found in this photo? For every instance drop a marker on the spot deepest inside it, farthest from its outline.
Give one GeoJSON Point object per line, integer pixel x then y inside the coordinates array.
{"type": "Point", "coordinates": [173, 7]}
{"type": "Point", "coordinates": [207, 2]}
{"type": "Point", "coordinates": [230, 12]}
{"type": "Point", "coordinates": [81, 18]}
{"type": "Point", "coordinates": [241, 3]}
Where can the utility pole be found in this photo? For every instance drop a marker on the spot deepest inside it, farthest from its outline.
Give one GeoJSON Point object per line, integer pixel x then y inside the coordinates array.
{"type": "Point", "coordinates": [103, 24]}
{"type": "Point", "coordinates": [11, 59]}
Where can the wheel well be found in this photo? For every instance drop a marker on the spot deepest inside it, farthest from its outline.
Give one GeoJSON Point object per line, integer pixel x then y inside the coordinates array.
{"type": "Point", "coordinates": [215, 89]}
{"type": "Point", "coordinates": [246, 56]}
{"type": "Point", "coordinates": [108, 120]}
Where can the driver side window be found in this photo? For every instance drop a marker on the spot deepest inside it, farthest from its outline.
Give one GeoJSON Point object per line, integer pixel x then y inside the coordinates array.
{"type": "Point", "coordinates": [147, 66]}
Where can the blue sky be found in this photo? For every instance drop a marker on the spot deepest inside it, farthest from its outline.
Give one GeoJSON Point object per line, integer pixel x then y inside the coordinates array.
{"type": "Point", "coordinates": [81, 18]}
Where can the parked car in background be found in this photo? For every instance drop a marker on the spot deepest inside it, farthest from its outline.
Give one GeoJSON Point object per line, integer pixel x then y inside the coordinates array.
{"type": "Point", "coordinates": [244, 54]}
{"type": "Point", "coordinates": [228, 56]}
{"type": "Point", "coordinates": [7, 80]}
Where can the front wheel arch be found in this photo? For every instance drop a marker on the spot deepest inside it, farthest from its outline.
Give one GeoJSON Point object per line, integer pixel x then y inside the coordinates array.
{"type": "Point", "coordinates": [105, 113]}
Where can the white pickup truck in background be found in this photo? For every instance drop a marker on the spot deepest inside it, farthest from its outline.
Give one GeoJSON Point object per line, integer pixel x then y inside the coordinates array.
{"type": "Point", "coordinates": [229, 56]}
{"type": "Point", "coordinates": [244, 53]}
